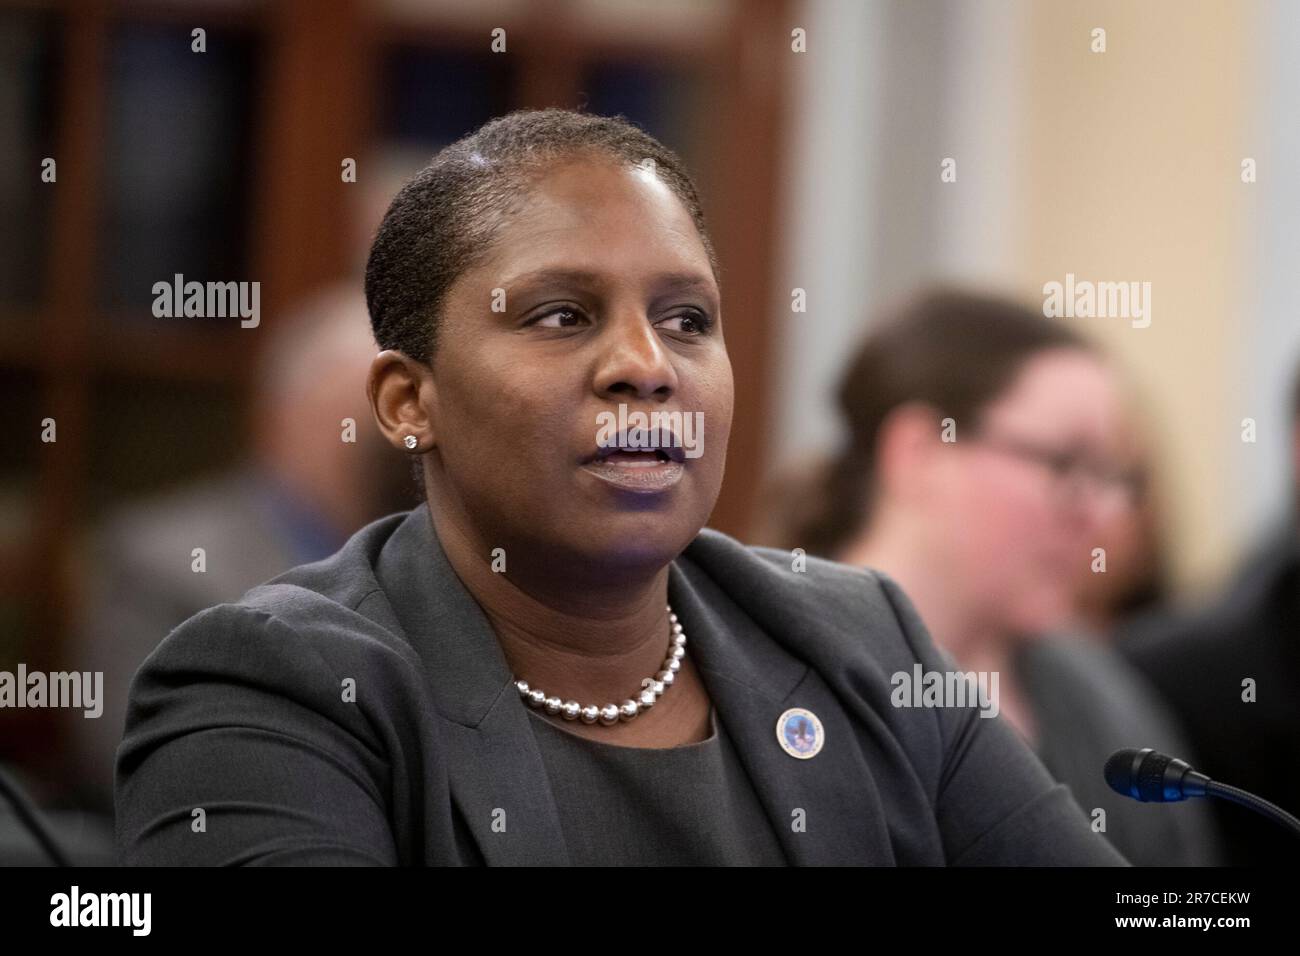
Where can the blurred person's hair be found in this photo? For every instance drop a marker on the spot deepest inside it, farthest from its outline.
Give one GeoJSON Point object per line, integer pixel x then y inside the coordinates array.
{"type": "Point", "coordinates": [444, 220]}
{"type": "Point", "coordinates": [954, 350]}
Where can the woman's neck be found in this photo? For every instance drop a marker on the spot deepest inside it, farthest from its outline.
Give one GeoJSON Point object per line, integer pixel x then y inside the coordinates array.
{"type": "Point", "coordinates": [945, 608]}
{"type": "Point", "coordinates": [569, 634]}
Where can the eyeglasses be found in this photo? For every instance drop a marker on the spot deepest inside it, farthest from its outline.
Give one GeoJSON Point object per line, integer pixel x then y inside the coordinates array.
{"type": "Point", "coordinates": [1073, 473]}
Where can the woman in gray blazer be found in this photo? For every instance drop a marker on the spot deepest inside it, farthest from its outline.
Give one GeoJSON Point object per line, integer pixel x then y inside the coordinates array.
{"type": "Point", "coordinates": [551, 660]}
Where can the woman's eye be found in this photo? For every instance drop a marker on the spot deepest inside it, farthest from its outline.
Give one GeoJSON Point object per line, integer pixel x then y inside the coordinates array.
{"type": "Point", "coordinates": [557, 319]}
{"type": "Point", "coordinates": [1066, 463]}
{"type": "Point", "coordinates": [693, 322]}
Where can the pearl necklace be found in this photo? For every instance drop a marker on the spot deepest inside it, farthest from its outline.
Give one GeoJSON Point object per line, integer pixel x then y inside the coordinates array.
{"type": "Point", "coordinates": [652, 688]}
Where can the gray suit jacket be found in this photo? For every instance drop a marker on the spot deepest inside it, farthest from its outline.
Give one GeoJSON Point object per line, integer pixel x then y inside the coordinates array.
{"type": "Point", "coordinates": [242, 744]}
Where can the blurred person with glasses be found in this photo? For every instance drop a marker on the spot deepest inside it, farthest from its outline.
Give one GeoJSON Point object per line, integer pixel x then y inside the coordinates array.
{"type": "Point", "coordinates": [984, 458]}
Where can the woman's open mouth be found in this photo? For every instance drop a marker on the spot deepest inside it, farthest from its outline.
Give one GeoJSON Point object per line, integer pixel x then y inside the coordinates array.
{"type": "Point", "coordinates": [638, 459]}
{"type": "Point", "coordinates": [646, 471]}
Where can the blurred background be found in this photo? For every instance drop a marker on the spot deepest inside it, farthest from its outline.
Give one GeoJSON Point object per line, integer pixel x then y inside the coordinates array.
{"type": "Point", "coordinates": [820, 169]}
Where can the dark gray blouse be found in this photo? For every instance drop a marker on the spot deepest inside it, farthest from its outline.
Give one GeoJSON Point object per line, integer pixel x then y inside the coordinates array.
{"type": "Point", "coordinates": [691, 805]}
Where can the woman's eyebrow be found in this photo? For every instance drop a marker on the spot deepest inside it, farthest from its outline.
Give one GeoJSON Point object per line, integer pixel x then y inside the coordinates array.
{"type": "Point", "coordinates": [683, 282]}
{"type": "Point", "coordinates": [580, 277]}
{"type": "Point", "coordinates": [667, 282]}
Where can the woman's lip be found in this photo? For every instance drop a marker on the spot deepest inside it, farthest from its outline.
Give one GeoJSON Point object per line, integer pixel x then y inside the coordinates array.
{"type": "Point", "coordinates": [638, 459]}
{"type": "Point", "coordinates": [671, 452]}
{"type": "Point", "coordinates": [644, 476]}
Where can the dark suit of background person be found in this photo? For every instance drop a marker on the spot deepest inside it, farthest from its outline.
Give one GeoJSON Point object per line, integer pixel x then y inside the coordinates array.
{"type": "Point", "coordinates": [1088, 702]}
{"type": "Point", "coordinates": [240, 712]}
{"type": "Point", "coordinates": [1198, 663]}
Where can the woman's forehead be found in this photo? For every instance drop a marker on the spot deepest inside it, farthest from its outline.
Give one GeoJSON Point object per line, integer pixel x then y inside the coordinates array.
{"type": "Point", "coordinates": [592, 277]}
{"type": "Point", "coordinates": [600, 223]}
{"type": "Point", "coordinates": [1067, 390]}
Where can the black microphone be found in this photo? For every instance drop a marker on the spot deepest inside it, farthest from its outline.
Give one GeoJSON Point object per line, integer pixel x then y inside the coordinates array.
{"type": "Point", "coordinates": [1152, 777]}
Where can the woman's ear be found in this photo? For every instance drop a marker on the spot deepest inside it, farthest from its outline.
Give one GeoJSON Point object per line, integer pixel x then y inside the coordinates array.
{"type": "Point", "coordinates": [403, 399]}
{"type": "Point", "coordinates": [906, 445]}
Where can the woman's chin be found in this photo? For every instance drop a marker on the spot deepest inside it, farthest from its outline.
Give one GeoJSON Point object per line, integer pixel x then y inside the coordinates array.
{"type": "Point", "coordinates": [634, 541]}
{"type": "Point", "coordinates": [1040, 613]}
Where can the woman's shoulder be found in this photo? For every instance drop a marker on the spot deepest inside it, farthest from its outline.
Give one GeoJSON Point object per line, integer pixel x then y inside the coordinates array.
{"type": "Point", "coordinates": [852, 612]}
{"type": "Point", "coordinates": [281, 637]}
{"type": "Point", "coordinates": [1080, 674]}
{"type": "Point", "coordinates": [334, 608]}
{"type": "Point", "coordinates": [306, 655]}
{"type": "Point", "coordinates": [723, 555]}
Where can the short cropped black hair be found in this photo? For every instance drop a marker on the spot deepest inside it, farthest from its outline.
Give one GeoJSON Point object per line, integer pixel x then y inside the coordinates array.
{"type": "Point", "coordinates": [444, 220]}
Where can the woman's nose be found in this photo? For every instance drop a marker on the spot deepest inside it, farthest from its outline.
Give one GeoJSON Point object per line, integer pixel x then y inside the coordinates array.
{"type": "Point", "coordinates": [635, 362]}
{"type": "Point", "coordinates": [1095, 503]}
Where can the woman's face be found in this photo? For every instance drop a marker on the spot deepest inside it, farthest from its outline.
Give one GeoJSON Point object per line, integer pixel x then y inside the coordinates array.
{"type": "Point", "coordinates": [597, 293]}
{"type": "Point", "coordinates": [1018, 533]}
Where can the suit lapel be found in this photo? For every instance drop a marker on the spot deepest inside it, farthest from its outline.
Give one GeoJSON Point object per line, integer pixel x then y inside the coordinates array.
{"type": "Point", "coordinates": [494, 767]}
{"type": "Point", "coordinates": [753, 681]}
